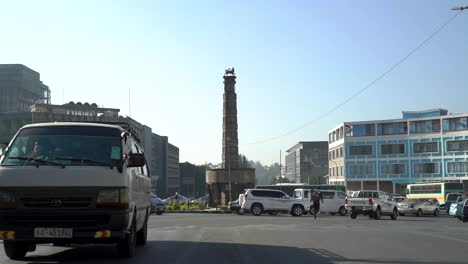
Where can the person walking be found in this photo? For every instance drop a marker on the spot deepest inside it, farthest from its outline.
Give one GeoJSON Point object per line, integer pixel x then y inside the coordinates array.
{"type": "Point", "coordinates": [316, 197]}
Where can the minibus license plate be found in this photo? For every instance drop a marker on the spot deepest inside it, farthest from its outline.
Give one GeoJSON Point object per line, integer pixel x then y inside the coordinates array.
{"type": "Point", "coordinates": [53, 232]}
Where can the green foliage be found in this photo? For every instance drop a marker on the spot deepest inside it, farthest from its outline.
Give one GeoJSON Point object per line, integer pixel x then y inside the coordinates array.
{"type": "Point", "coordinates": [276, 180]}
{"type": "Point", "coordinates": [244, 162]}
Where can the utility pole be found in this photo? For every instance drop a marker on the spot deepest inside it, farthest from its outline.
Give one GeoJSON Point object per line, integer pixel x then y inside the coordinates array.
{"type": "Point", "coordinates": [280, 165]}
{"type": "Point", "coordinates": [228, 141]}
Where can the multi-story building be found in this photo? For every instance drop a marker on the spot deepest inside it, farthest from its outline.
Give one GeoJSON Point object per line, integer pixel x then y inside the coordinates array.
{"type": "Point", "coordinates": [173, 170]}
{"type": "Point", "coordinates": [192, 180]}
{"type": "Point", "coordinates": [422, 146]}
{"type": "Point", "coordinates": [307, 160]}
{"type": "Point", "coordinates": [21, 87]}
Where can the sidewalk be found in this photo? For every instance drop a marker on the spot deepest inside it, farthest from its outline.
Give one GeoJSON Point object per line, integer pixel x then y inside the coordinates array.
{"type": "Point", "coordinates": [205, 211]}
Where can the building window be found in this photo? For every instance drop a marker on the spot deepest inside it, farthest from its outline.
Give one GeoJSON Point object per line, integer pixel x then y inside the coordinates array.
{"type": "Point", "coordinates": [360, 150]}
{"type": "Point", "coordinates": [458, 145]}
{"type": "Point", "coordinates": [367, 130]}
{"type": "Point", "coordinates": [428, 147]}
{"type": "Point", "coordinates": [388, 149]}
{"type": "Point", "coordinates": [393, 169]}
{"type": "Point", "coordinates": [456, 124]}
{"type": "Point", "coordinates": [341, 152]}
{"type": "Point", "coordinates": [426, 168]}
{"type": "Point", "coordinates": [457, 167]}
{"type": "Point", "coordinates": [361, 170]}
{"type": "Point", "coordinates": [426, 126]}
{"type": "Point", "coordinates": [436, 188]}
{"type": "Point", "coordinates": [402, 128]}
{"type": "Point", "coordinates": [387, 129]}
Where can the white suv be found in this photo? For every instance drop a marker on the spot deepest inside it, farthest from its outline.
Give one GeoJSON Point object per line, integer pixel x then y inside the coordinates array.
{"type": "Point", "coordinates": [258, 201]}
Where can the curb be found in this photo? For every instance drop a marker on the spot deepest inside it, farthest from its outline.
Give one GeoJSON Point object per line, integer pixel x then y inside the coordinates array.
{"type": "Point", "coordinates": [199, 212]}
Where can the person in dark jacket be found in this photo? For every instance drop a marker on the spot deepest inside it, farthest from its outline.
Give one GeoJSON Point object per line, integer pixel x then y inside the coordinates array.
{"type": "Point", "coordinates": [316, 197]}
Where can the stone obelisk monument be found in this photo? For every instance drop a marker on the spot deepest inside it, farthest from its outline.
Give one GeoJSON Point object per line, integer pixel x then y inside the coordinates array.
{"type": "Point", "coordinates": [230, 180]}
{"type": "Point", "coordinates": [230, 139]}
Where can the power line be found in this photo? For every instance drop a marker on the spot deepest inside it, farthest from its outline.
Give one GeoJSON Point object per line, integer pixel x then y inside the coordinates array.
{"type": "Point", "coordinates": [361, 90]}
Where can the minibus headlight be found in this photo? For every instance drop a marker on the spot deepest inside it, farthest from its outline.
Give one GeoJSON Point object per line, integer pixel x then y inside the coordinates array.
{"type": "Point", "coordinates": [113, 198]}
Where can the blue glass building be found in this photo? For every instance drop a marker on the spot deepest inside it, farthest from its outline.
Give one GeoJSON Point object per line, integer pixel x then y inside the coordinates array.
{"type": "Point", "coordinates": [423, 146]}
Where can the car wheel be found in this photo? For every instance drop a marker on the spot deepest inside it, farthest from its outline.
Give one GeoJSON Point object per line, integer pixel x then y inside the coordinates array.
{"type": "Point", "coordinates": [353, 215]}
{"type": "Point", "coordinates": [377, 214]}
{"type": "Point", "coordinates": [419, 212]}
{"type": "Point", "coordinates": [465, 219]}
{"type": "Point", "coordinates": [15, 250]}
{"type": "Point", "coordinates": [342, 210]}
{"type": "Point", "coordinates": [273, 213]}
{"type": "Point", "coordinates": [241, 212]}
{"type": "Point", "coordinates": [142, 235]}
{"type": "Point", "coordinates": [297, 210]}
{"type": "Point", "coordinates": [394, 214]}
{"type": "Point", "coordinates": [256, 209]}
{"type": "Point", "coordinates": [126, 246]}
{"type": "Point", "coordinates": [159, 213]}
{"type": "Point", "coordinates": [436, 212]}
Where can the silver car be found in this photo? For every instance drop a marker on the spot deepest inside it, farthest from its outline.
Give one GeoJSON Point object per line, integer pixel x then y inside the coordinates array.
{"type": "Point", "coordinates": [418, 207]}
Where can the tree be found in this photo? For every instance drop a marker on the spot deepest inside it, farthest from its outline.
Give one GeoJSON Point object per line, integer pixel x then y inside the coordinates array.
{"type": "Point", "coordinates": [244, 162]}
{"type": "Point", "coordinates": [276, 180]}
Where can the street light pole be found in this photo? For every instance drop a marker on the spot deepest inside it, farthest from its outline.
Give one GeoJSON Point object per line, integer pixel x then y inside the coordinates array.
{"type": "Point", "coordinates": [228, 140]}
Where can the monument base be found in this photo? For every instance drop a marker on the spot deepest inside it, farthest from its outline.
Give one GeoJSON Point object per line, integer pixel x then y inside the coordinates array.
{"type": "Point", "coordinates": [217, 181]}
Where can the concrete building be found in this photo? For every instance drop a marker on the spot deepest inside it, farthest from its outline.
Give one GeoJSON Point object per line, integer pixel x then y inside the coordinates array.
{"type": "Point", "coordinates": [227, 183]}
{"type": "Point", "coordinates": [173, 170]}
{"type": "Point", "coordinates": [21, 87]}
{"type": "Point", "coordinates": [192, 180]}
{"type": "Point", "coordinates": [307, 161]}
{"type": "Point", "coordinates": [422, 146]}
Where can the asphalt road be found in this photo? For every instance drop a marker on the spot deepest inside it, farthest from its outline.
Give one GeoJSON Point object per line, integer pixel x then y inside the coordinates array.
{"type": "Point", "coordinates": [208, 238]}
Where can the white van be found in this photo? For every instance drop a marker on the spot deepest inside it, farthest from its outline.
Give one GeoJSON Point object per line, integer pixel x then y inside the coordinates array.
{"type": "Point", "coordinates": [73, 183]}
{"type": "Point", "coordinates": [333, 200]}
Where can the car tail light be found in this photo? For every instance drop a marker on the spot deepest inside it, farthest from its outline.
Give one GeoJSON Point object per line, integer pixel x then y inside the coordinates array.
{"type": "Point", "coordinates": [371, 202]}
{"type": "Point", "coordinates": [346, 200]}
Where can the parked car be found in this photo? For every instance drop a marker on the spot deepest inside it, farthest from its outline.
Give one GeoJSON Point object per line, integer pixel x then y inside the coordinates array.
{"type": "Point", "coordinates": [398, 199]}
{"type": "Point", "coordinates": [435, 201]}
{"type": "Point", "coordinates": [418, 207]}
{"type": "Point", "coordinates": [259, 201]}
{"type": "Point", "coordinates": [333, 200]}
{"type": "Point", "coordinates": [451, 198]}
{"type": "Point", "coordinates": [352, 193]}
{"type": "Point", "coordinates": [157, 205]}
{"type": "Point", "coordinates": [462, 210]}
{"type": "Point", "coordinates": [70, 183]}
{"type": "Point", "coordinates": [234, 206]}
{"type": "Point", "coordinates": [373, 204]}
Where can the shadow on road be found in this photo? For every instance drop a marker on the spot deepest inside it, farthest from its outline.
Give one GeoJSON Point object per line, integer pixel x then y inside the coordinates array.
{"type": "Point", "coordinates": [206, 253]}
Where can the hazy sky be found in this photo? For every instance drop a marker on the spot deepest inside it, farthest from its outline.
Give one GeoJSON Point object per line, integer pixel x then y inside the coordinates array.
{"type": "Point", "coordinates": [294, 60]}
